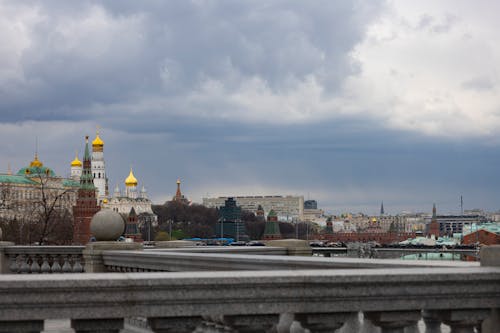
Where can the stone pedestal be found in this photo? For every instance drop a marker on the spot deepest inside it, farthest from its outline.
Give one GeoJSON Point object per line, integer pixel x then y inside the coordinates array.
{"type": "Point", "coordinates": [4, 260]}
{"type": "Point", "coordinates": [490, 255]}
{"type": "Point", "coordinates": [92, 254]}
{"type": "Point", "coordinates": [294, 247]}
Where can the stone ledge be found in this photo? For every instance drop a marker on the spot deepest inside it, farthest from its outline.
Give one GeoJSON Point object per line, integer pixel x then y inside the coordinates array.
{"type": "Point", "coordinates": [118, 295]}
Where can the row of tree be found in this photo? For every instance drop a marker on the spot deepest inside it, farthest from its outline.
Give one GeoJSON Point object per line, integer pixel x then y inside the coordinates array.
{"type": "Point", "coordinates": [177, 220]}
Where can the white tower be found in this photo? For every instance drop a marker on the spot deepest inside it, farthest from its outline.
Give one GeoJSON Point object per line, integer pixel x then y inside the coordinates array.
{"type": "Point", "coordinates": [131, 186]}
{"type": "Point", "coordinates": [76, 169]}
{"type": "Point", "coordinates": [99, 169]}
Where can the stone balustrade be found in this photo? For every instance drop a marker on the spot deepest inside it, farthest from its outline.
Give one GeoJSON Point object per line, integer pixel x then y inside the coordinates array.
{"type": "Point", "coordinates": [242, 291]}
{"type": "Point", "coordinates": [43, 259]}
{"type": "Point", "coordinates": [192, 259]}
{"type": "Point", "coordinates": [321, 300]}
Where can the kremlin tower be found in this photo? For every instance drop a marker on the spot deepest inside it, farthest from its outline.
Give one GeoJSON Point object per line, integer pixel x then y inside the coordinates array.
{"type": "Point", "coordinates": [179, 197]}
{"type": "Point", "coordinates": [272, 228]}
{"type": "Point", "coordinates": [86, 202]}
{"type": "Point", "coordinates": [434, 225]}
{"type": "Point", "coordinates": [99, 168]}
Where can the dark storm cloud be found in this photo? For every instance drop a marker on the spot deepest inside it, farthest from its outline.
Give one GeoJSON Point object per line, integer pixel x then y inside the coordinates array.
{"type": "Point", "coordinates": [92, 54]}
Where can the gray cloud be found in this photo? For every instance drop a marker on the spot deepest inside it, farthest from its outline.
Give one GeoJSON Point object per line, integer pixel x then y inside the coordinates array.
{"type": "Point", "coordinates": [260, 97]}
{"type": "Point", "coordinates": [79, 57]}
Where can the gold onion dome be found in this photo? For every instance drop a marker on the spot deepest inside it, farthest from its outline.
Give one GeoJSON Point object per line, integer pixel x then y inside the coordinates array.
{"type": "Point", "coordinates": [131, 180]}
{"type": "Point", "coordinates": [97, 141]}
{"type": "Point", "coordinates": [36, 162]}
{"type": "Point", "coordinates": [76, 162]}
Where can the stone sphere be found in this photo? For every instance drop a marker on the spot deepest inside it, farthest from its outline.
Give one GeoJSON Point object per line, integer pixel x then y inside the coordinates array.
{"type": "Point", "coordinates": [107, 225]}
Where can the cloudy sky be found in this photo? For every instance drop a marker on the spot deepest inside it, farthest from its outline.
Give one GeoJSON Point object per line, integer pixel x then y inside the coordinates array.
{"type": "Point", "coordinates": [346, 102]}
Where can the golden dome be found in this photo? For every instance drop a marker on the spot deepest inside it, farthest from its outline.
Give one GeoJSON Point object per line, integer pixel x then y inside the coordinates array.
{"type": "Point", "coordinates": [97, 141]}
{"type": "Point", "coordinates": [131, 180]}
{"type": "Point", "coordinates": [97, 144]}
{"type": "Point", "coordinates": [104, 201]}
{"type": "Point", "coordinates": [76, 162]}
{"type": "Point", "coordinates": [36, 163]}
{"type": "Point", "coordinates": [178, 181]}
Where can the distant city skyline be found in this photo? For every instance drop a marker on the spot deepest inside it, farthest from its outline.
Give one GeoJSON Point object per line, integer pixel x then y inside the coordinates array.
{"type": "Point", "coordinates": [348, 103]}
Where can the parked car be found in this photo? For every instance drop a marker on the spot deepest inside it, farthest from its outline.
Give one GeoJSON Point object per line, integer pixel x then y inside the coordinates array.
{"type": "Point", "coordinates": [238, 243]}
{"type": "Point", "coordinates": [255, 243]}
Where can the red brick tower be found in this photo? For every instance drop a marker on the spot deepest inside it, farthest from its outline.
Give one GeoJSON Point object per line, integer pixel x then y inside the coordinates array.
{"type": "Point", "coordinates": [132, 227]}
{"type": "Point", "coordinates": [86, 201]}
{"type": "Point", "coordinates": [434, 225]}
{"type": "Point", "coordinates": [272, 228]}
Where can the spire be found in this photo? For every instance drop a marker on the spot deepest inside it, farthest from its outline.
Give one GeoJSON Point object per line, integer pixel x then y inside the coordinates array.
{"type": "Point", "coordinates": [36, 163]}
{"type": "Point", "coordinates": [434, 211]}
{"type": "Point", "coordinates": [178, 194]}
{"type": "Point", "coordinates": [382, 209]}
{"type": "Point", "coordinates": [117, 191]}
{"type": "Point", "coordinates": [144, 193]}
{"type": "Point", "coordinates": [86, 180]}
{"type": "Point", "coordinates": [9, 170]}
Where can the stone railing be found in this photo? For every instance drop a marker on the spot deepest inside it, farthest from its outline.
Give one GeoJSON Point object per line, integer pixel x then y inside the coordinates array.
{"type": "Point", "coordinates": [247, 292]}
{"type": "Point", "coordinates": [254, 301]}
{"type": "Point", "coordinates": [185, 260]}
{"type": "Point", "coordinates": [42, 259]}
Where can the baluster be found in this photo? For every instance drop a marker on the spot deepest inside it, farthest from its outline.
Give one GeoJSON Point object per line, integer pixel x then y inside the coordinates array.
{"type": "Point", "coordinates": [77, 266]}
{"type": "Point", "coordinates": [25, 268]}
{"type": "Point", "coordinates": [56, 267]}
{"type": "Point", "coordinates": [14, 268]}
{"type": "Point", "coordinates": [45, 264]}
{"type": "Point", "coordinates": [432, 322]}
{"type": "Point", "coordinates": [66, 268]}
{"type": "Point", "coordinates": [35, 267]}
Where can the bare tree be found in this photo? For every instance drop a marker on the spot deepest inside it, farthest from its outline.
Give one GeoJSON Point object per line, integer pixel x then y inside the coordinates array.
{"type": "Point", "coordinates": [49, 209]}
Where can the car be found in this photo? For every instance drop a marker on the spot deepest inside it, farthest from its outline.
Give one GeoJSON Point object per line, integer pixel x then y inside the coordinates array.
{"type": "Point", "coordinates": [255, 243]}
{"type": "Point", "coordinates": [238, 243]}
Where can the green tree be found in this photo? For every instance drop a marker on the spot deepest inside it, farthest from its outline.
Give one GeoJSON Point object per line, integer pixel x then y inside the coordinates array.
{"type": "Point", "coordinates": [162, 236]}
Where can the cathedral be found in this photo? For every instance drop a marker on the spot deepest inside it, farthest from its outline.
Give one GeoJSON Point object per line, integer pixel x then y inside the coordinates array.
{"type": "Point", "coordinates": [78, 197]}
{"type": "Point", "coordinates": [133, 205]}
